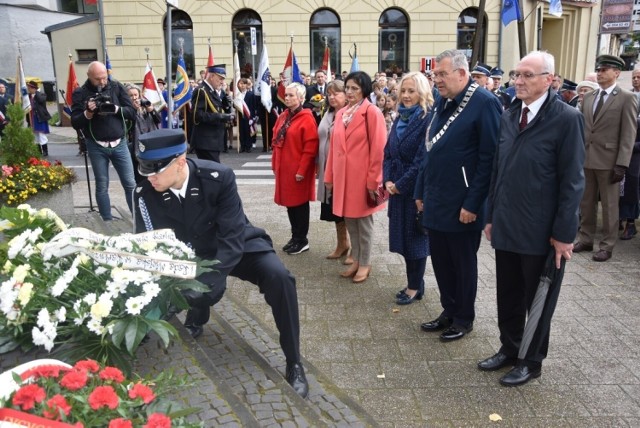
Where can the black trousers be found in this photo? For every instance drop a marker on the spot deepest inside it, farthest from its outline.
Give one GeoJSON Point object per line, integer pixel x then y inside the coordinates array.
{"type": "Point", "coordinates": [299, 219]}
{"type": "Point", "coordinates": [208, 154]}
{"type": "Point", "coordinates": [455, 265]}
{"type": "Point", "coordinates": [518, 276]}
{"type": "Point", "coordinates": [278, 286]}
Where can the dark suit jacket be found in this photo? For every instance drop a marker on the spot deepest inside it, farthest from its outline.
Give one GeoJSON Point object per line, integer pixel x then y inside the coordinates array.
{"type": "Point", "coordinates": [209, 113]}
{"type": "Point", "coordinates": [609, 139]}
{"type": "Point", "coordinates": [211, 218]}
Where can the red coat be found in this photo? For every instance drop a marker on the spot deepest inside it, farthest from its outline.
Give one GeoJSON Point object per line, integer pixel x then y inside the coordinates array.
{"type": "Point", "coordinates": [296, 156]}
{"type": "Point", "coordinates": [355, 159]}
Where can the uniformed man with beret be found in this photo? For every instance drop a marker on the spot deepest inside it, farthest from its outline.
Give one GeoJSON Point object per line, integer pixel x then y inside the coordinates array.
{"type": "Point", "coordinates": [199, 200]}
{"type": "Point", "coordinates": [211, 107]}
{"type": "Point", "coordinates": [610, 133]}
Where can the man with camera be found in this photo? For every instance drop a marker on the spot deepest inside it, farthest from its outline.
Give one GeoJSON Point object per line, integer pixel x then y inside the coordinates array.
{"type": "Point", "coordinates": [100, 108]}
{"type": "Point", "coordinates": [211, 107]}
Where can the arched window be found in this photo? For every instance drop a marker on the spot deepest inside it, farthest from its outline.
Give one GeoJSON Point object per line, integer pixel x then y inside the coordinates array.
{"type": "Point", "coordinates": [467, 25]}
{"type": "Point", "coordinates": [393, 41]}
{"type": "Point", "coordinates": [242, 23]}
{"type": "Point", "coordinates": [324, 26]}
{"type": "Point", "coordinates": [181, 36]}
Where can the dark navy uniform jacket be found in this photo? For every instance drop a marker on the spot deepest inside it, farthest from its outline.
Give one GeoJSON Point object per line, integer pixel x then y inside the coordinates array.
{"type": "Point", "coordinates": [211, 218]}
{"type": "Point", "coordinates": [464, 151]}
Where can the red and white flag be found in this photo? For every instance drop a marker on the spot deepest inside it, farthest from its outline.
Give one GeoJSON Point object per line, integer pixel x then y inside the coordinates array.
{"type": "Point", "coordinates": [291, 73]}
{"type": "Point", "coordinates": [72, 84]}
{"type": "Point", "coordinates": [150, 89]}
{"type": "Point", "coordinates": [326, 63]}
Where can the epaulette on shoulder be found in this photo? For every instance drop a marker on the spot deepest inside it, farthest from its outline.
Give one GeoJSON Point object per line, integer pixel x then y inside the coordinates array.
{"type": "Point", "coordinates": [143, 187]}
{"type": "Point", "coordinates": [215, 174]}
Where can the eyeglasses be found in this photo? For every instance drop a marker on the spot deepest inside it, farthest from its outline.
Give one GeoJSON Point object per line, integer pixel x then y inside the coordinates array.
{"type": "Point", "coordinates": [351, 88]}
{"type": "Point", "coordinates": [442, 74]}
{"type": "Point", "coordinates": [528, 76]}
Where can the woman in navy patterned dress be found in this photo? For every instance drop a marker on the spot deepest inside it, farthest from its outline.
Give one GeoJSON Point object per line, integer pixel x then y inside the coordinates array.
{"type": "Point", "coordinates": [402, 157]}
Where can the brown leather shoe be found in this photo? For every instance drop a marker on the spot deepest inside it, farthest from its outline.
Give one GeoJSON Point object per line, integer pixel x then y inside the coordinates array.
{"type": "Point", "coordinates": [579, 247]}
{"type": "Point", "coordinates": [601, 256]}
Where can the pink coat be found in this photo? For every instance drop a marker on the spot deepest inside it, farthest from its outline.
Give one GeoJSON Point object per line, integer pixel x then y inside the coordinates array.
{"type": "Point", "coordinates": [355, 159]}
{"type": "Point", "coordinates": [296, 156]}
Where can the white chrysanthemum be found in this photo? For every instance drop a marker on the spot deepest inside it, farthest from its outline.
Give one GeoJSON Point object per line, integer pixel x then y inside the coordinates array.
{"type": "Point", "coordinates": [151, 289]}
{"type": "Point", "coordinates": [16, 244]}
{"type": "Point", "coordinates": [83, 259]}
{"type": "Point", "coordinates": [8, 266]}
{"type": "Point", "coordinates": [62, 283]}
{"type": "Point", "coordinates": [116, 287]}
{"type": "Point", "coordinates": [142, 276]}
{"type": "Point", "coordinates": [148, 245]}
{"type": "Point", "coordinates": [42, 339]}
{"type": "Point", "coordinates": [95, 326]}
{"type": "Point", "coordinates": [34, 234]}
{"type": "Point", "coordinates": [26, 207]}
{"type": "Point", "coordinates": [8, 296]}
{"type": "Point", "coordinates": [79, 320]}
{"type": "Point", "coordinates": [90, 298]}
{"type": "Point", "coordinates": [60, 314]}
{"type": "Point", "coordinates": [25, 293]}
{"type": "Point", "coordinates": [20, 272]}
{"type": "Point", "coordinates": [28, 251]}
{"type": "Point", "coordinates": [102, 307]}
{"type": "Point", "coordinates": [135, 305]}
{"type": "Point", "coordinates": [44, 317]}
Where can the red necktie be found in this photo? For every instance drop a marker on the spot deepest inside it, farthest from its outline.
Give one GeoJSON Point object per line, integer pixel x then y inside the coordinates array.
{"type": "Point", "coordinates": [523, 119]}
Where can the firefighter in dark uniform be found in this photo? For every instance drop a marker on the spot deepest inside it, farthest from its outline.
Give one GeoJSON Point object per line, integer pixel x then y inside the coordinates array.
{"type": "Point", "coordinates": [211, 110]}
{"type": "Point", "coordinates": [199, 200]}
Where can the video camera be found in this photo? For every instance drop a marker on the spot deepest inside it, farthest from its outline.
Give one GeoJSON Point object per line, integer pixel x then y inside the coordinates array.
{"type": "Point", "coordinates": [145, 103]}
{"type": "Point", "coordinates": [104, 105]}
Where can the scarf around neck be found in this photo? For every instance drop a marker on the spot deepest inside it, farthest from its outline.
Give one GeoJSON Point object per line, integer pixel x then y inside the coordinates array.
{"type": "Point", "coordinates": [405, 114]}
{"type": "Point", "coordinates": [347, 116]}
{"type": "Point", "coordinates": [282, 132]}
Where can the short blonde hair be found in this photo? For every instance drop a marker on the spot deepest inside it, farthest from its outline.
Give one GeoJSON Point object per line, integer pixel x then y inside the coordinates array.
{"type": "Point", "coordinates": [301, 91]}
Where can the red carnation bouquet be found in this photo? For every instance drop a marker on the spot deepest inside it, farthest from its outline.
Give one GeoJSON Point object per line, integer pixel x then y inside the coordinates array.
{"type": "Point", "coordinates": [56, 395]}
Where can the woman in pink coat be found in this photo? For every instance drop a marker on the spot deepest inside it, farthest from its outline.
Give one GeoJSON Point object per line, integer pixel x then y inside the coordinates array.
{"type": "Point", "coordinates": [354, 169]}
{"type": "Point", "coordinates": [295, 147]}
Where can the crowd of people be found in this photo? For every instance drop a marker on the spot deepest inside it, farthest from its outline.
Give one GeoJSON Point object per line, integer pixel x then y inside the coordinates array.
{"type": "Point", "coordinates": [452, 151]}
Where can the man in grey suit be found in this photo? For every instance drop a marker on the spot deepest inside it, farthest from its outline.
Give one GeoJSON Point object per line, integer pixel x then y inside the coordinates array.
{"type": "Point", "coordinates": [610, 132]}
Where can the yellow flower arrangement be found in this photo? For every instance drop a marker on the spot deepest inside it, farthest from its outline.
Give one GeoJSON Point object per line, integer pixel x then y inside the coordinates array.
{"type": "Point", "coordinates": [20, 182]}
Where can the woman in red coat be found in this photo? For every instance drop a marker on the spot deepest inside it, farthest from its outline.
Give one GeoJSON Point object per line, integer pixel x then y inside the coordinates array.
{"type": "Point", "coordinates": [295, 147]}
{"type": "Point", "coordinates": [354, 169]}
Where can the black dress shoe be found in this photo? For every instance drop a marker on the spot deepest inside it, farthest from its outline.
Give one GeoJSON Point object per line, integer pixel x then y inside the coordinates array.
{"type": "Point", "coordinates": [288, 245]}
{"type": "Point", "coordinates": [194, 330]}
{"type": "Point", "coordinates": [405, 299]}
{"type": "Point", "coordinates": [454, 332]}
{"type": "Point", "coordinates": [296, 378]}
{"type": "Point", "coordinates": [437, 324]}
{"type": "Point", "coordinates": [496, 362]}
{"type": "Point", "coordinates": [401, 293]}
{"type": "Point", "coordinates": [519, 375]}
{"type": "Point", "coordinates": [601, 256]}
{"type": "Point", "coordinates": [579, 247]}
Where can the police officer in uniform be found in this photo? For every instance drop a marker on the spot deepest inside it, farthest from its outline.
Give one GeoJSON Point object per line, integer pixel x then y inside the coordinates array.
{"type": "Point", "coordinates": [211, 111]}
{"type": "Point", "coordinates": [199, 200]}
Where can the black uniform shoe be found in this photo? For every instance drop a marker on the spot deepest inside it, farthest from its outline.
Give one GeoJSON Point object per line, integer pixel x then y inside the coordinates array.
{"type": "Point", "coordinates": [519, 375]}
{"type": "Point", "coordinates": [194, 330]}
{"type": "Point", "coordinates": [437, 324]}
{"type": "Point", "coordinates": [298, 247]}
{"type": "Point", "coordinates": [454, 332]}
{"type": "Point", "coordinates": [296, 378]}
{"type": "Point", "coordinates": [496, 362]}
{"type": "Point", "coordinates": [288, 245]}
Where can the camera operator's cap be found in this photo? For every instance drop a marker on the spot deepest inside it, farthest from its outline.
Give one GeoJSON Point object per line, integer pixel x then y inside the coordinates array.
{"type": "Point", "coordinates": [32, 84]}
{"type": "Point", "coordinates": [497, 72]}
{"type": "Point", "coordinates": [157, 149]}
{"type": "Point", "coordinates": [568, 85]}
{"type": "Point", "coordinates": [218, 69]}
{"type": "Point", "coordinates": [481, 68]}
{"type": "Point", "coordinates": [610, 61]}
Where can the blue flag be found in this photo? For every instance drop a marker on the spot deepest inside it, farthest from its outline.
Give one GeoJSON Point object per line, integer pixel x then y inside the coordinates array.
{"type": "Point", "coordinates": [182, 94]}
{"type": "Point", "coordinates": [354, 65]}
{"type": "Point", "coordinates": [108, 65]}
{"type": "Point", "coordinates": [555, 8]}
{"type": "Point", "coordinates": [510, 11]}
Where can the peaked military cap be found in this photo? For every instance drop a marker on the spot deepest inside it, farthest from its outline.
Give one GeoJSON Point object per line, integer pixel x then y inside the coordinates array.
{"type": "Point", "coordinates": [481, 68]}
{"type": "Point", "coordinates": [218, 69]}
{"type": "Point", "coordinates": [157, 149]}
{"type": "Point", "coordinates": [568, 85]}
{"type": "Point", "coordinates": [610, 61]}
{"type": "Point", "coordinates": [497, 72]}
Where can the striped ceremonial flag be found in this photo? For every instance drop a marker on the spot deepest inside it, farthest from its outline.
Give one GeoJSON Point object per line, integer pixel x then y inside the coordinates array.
{"type": "Point", "coordinates": [21, 95]}
{"type": "Point", "coordinates": [107, 64]}
{"type": "Point", "coordinates": [326, 63]}
{"type": "Point", "coordinates": [291, 73]}
{"type": "Point", "coordinates": [263, 88]}
{"type": "Point", "coordinates": [182, 94]}
{"type": "Point", "coordinates": [72, 84]}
